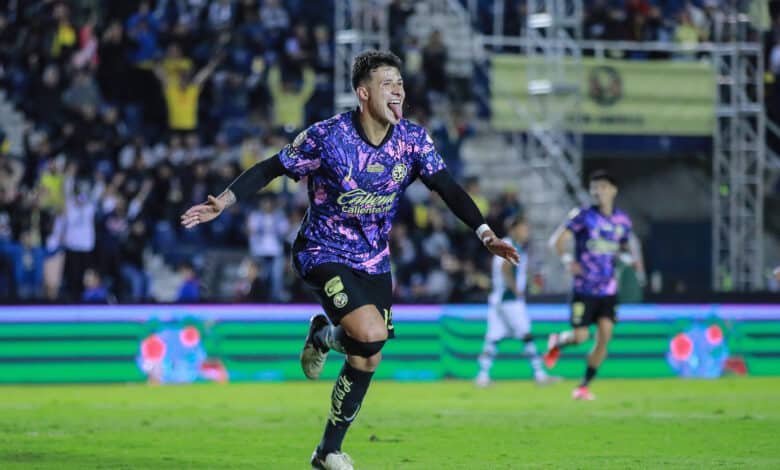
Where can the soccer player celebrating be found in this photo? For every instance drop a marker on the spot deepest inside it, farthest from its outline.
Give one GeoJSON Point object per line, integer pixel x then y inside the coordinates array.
{"type": "Point", "coordinates": [507, 317]}
{"type": "Point", "coordinates": [601, 232]}
{"type": "Point", "coordinates": [358, 163]}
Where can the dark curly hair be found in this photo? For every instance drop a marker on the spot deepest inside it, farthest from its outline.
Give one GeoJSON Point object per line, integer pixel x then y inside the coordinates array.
{"type": "Point", "coordinates": [367, 61]}
{"type": "Point", "coordinates": [602, 175]}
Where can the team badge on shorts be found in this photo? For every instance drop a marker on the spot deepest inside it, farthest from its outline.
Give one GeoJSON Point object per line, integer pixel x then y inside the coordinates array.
{"type": "Point", "coordinates": [399, 172]}
{"type": "Point", "coordinates": [340, 300]}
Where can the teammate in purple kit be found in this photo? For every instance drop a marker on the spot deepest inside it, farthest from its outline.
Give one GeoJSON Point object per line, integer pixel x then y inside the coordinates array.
{"type": "Point", "coordinates": [601, 233]}
{"type": "Point", "coordinates": [358, 163]}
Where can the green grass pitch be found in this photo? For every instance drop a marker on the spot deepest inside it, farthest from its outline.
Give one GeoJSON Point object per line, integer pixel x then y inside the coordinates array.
{"type": "Point", "coordinates": [634, 424]}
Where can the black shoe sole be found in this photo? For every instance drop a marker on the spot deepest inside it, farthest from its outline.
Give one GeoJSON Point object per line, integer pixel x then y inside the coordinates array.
{"type": "Point", "coordinates": [315, 323]}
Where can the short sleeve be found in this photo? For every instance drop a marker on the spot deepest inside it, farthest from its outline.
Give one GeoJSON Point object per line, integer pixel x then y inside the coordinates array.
{"type": "Point", "coordinates": [303, 155]}
{"type": "Point", "coordinates": [427, 160]}
{"type": "Point", "coordinates": [576, 222]}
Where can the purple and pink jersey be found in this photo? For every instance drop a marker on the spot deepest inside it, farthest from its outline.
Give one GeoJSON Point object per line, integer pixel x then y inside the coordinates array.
{"type": "Point", "coordinates": [354, 189]}
{"type": "Point", "coordinates": [598, 239]}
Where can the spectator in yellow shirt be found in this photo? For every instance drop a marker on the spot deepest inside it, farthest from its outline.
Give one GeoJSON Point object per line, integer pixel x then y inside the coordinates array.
{"type": "Point", "coordinates": [181, 94]}
{"type": "Point", "coordinates": [289, 101]}
{"type": "Point", "coordinates": [64, 39]}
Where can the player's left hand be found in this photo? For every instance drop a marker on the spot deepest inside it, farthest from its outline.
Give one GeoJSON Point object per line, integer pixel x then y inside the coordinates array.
{"type": "Point", "coordinates": [202, 213]}
{"type": "Point", "coordinates": [503, 249]}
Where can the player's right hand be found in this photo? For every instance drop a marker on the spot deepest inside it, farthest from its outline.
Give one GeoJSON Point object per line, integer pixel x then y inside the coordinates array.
{"type": "Point", "coordinates": [574, 268]}
{"type": "Point", "coordinates": [201, 213]}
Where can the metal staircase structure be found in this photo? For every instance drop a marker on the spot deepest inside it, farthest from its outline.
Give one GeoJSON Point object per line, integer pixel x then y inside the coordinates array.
{"type": "Point", "coordinates": [738, 160]}
{"type": "Point", "coordinates": [551, 148]}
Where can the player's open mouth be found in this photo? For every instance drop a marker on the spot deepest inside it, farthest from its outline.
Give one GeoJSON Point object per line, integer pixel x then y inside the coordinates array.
{"type": "Point", "coordinates": [395, 107]}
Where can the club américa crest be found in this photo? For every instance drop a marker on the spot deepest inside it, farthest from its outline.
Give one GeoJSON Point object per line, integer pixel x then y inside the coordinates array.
{"type": "Point", "coordinates": [399, 172]}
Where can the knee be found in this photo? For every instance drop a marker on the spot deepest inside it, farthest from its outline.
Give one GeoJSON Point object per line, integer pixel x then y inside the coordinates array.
{"type": "Point", "coordinates": [603, 337]}
{"type": "Point", "coordinates": [604, 332]}
{"type": "Point", "coordinates": [372, 334]}
{"type": "Point", "coordinates": [367, 337]}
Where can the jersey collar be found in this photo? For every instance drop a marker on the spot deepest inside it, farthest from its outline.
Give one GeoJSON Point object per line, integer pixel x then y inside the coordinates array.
{"type": "Point", "coordinates": [362, 133]}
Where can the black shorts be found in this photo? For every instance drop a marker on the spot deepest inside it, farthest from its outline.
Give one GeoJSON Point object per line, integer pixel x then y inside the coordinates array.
{"type": "Point", "coordinates": [586, 309]}
{"type": "Point", "coordinates": [341, 289]}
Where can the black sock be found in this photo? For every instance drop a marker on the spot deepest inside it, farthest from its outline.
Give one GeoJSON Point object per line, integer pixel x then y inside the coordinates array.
{"type": "Point", "coordinates": [590, 372]}
{"type": "Point", "coordinates": [337, 339]}
{"type": "Point", "coordinates": [348, 393]}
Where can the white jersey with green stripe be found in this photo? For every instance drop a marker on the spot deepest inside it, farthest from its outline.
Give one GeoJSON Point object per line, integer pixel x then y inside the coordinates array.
{"type": "Point", "coordinates": [501, 292]}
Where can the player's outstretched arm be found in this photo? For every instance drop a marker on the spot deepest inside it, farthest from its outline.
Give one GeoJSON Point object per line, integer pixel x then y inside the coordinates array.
{"type": "Point", "coordinates": [461, 204]}
{"type": "Point", "coordinates": [247, 183]}
{"type": "Point", "coordinates": [208, 210]}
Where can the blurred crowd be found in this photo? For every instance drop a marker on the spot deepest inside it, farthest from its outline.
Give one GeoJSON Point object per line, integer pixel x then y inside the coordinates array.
{"type": "Point", "coordinates": [684, 21]}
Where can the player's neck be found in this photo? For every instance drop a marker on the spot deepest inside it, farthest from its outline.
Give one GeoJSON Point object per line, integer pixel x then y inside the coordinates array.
{"type": "Point", "coordinates": [606, 209]}
{"type": "Point", "coordinates": [373, 130]}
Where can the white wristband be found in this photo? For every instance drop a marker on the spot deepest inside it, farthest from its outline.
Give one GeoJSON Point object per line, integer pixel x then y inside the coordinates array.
{"type": "Point", "coordinates": [567, 258]}
{"type": "Point", "coordinates": [481, 233]}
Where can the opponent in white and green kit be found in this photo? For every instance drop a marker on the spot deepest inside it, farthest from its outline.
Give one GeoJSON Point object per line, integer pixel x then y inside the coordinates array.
{"type": "Point", "coordinates": [507, 317]}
